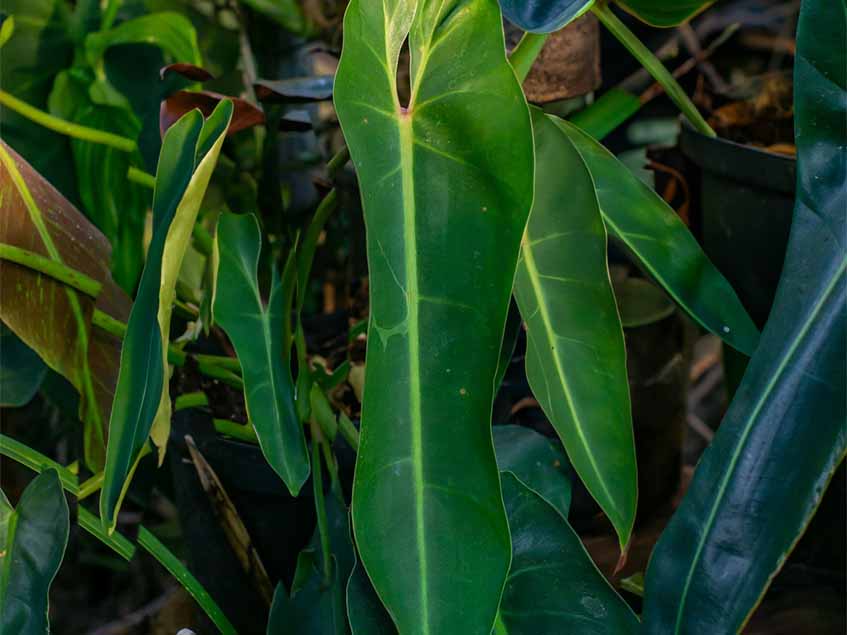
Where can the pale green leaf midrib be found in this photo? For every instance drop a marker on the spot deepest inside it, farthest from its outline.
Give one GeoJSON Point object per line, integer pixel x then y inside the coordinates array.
{"type": "Point", "coordinates": [532, 272]}
{"type": "Point", "coordinates": [748, 427]}
{"type": "Point", "coordinates": [406, 136]}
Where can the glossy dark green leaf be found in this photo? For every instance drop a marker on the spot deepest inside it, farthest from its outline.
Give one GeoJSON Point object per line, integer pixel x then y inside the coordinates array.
{"type": "Point", "coordinates": [21, 370]}
{"type": "Point", "coordinates": [664, 13]}
{"type": "Point", "coordinates": [757, 486]}
{"type": "Point", "coordinates": [170, 31]}
{"type": "Point", "coordinates": [33, 537]}
{"type": "Point", "coordinates": [48, 315]}
{"type": "Point", "coordinates": [315, 607]}
{"type": "Point", "coordinates": [142, 405]}
{"type": "Point", "coordinates": [446, 186]}
{"type": "Point", "coordinates": [576, 360]}
{"type": "Point", "coordinates": [543, 16]}
{"type": "Point", "coordinates": [256, 332]}
{"type": "Point", "coordinates": [659, 241]}
{"type": "Point", "coordinates": [537, 461]}
{"type": "Point", "coordinates": [553, 585]}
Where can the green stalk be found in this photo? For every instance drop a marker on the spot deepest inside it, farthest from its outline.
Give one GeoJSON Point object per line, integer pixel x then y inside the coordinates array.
{"type": "Point", "coordinates": [106, 322]}
{"type": "Point", "coordinates": [221, 361]}
{"type": "Point", "coordinates": [653, 66]}
{"type": "Point", "coordinates": [68, 128]}
{"type": "Point", "coordinates": [123, 547]}
{"type": "Point", "coordinates": [337, 162]}
{"type": "Point", "coordinates": [53, 268]}
{"type": "Point", "coordinates": [348, 431]}
{"type": "Point", "coordinates": [524, 54]}
{"type": "Point", "coordinates": [141, 177]}
{"type": "Point", "coordinates": [320, 503]}
{"type": "Point", "coordinates": [91, 486]}
{"type": "Point", "coordinates": [221, 374]}
{"type": "Point", "coordinates": [246, 433]}
{"type": "Point", "coordinates": [191, 400]}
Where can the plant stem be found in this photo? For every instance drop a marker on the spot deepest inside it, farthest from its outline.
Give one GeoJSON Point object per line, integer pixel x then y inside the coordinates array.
{"type": "Point", "coordinates": [106, 322]}
{"type": "Point", "coordinates": [348, 431]}
{"type": "Point", "coordinates": [320, 502]}
{"type": "Point", "coordinates": [652, 64]}
{"type": "Point", "coordinates": [141, 177]}
{"type": "Point", "coordinates": [91, 485]}
{"type": "Point", "coordinates": [203, 240]}
{"type": "Point", "coordinates": [221, 374]}
{"type": "Point", "coordinates": [246, 433]}
{"type": "Point", "coordinates": [187, 400]}
{"type": "Point", "coordinates": [123, 547]}
{"type": "Point", "coordinates": [83, 133]}
{"type": "Point", "coordinates": [338, 161]}
{"type": "Point", "coordinates": [524, 54]}
{"type": "Point", "coordinates": [53, 268]}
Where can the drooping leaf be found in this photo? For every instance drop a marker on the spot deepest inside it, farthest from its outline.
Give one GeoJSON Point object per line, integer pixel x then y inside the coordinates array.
{"type": "Point", "coordinates": [543, 16]}
{"type": "Point", "coordinates": [640, 219]}
{"type": "Point", "coordinates": [576, 359]}
{"type": "Point", "coordinates": [256, 332]}
{"type": "Point", "coordinates": [553, 585]}
{"type": "Point", "coordinates": [757, 486]}
{"type": "Point", "coordinates": [21, 370]}
{"type": "Point", "coordinates": [295, 90]}
{"type": "Point", "coordinates": [187, 71]}
{"type": "Point", "coordinates": [142, 405]}
{"type": "Point", "coordinates": [537, 462]}
{"type": "Point", "coordinates": [446, 186]}
{"type": "Point", "coordinates": [172, 32]}
{"type": "Point", "coordinates": [664, 13]}
{"type": "Point", "coordinates": [50, 317]}
{"type": "Point", "coordinates": [174, 106]}
{"type": "Point", "coordinates": [32, 544]}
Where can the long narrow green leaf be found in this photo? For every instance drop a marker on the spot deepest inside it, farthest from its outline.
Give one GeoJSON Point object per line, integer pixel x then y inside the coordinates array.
{"type": "Point", "coordinates": [446, 186]}
{"type": "Point", "coordinates": [33, 538]}
{"type": "Point", "coordinates": [257, 333]}
{"type": "Point", "coordinates": [641, 220]}
{"type": "Point", "coordinates": [576, 359]}
{"type": "Point", "coordinates": [142, 405]}
{"type": "Point", "coordinates": [758, 485]}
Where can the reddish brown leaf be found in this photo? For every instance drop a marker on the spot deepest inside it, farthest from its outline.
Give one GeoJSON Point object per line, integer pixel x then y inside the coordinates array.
{"type": "Point", "coordinates": [189, 71]}
{"type": "Point", "coordinates": [246, 115]}
{"type": "Point", "coordinates": [49, 316]}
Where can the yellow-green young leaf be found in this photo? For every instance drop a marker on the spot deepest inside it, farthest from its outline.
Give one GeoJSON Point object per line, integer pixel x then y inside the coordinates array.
{"type": "Point", "coordinates": [49, 315]}
{"type": "Point", "coordinates": [759, 483]}
{"type": "Point", "coordinates": [446, 186]}
{"type": "Point", "coordinates": [652, 232]}
{"type": "Point", "coordinates": [142, 405]}
{"type": "Point", "coordinates": [576, 359]}
{"type": "Point", "coordinates": [33, 538]}
{"type": "Point", "coordinates": [257, 333]}
{"type": "Point", "coordinates": [7, 28]}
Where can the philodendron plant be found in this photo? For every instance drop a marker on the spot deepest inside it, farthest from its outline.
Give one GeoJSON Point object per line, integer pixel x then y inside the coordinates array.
{"type": "Point", "coordinates": [470, 197]}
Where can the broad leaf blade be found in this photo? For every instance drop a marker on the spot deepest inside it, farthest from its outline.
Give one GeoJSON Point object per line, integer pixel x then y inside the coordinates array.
{"type": "Point", "coordinates": [664, 13]}
{"type": "Point", "coordinates": [536, 462]}
{"type": "Point", "coordinates": [757, 486]}
{"type": "Point", "coordinates": [172, 32]}
{"type": "Point", "coordinates": [543, 16]}
{"type": "Point", "coordinates": [51, 318]}
{"type": "Point", "coordinates": [21, 370]}
{"type": "Point", "coordinates": [638, 217]}
{"type": "Point", "coordinates": [576, 359]}
{"type": "Point", "coordinates": [32, 544]}
{"type": "Point", "coordinates": [553, 586]}
{"type": "Point", "coordinates": [256, 332]}
{"type": "Point", "coordinates": [142, 405]}
{"type": "Point", "coordinates": [446, 185]}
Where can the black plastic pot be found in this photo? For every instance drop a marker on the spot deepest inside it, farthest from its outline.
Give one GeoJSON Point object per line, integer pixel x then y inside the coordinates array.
{"type": "Point", "coordinates": [746, 203]}
{"type": "Point", "coordinates": [279, 525]}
